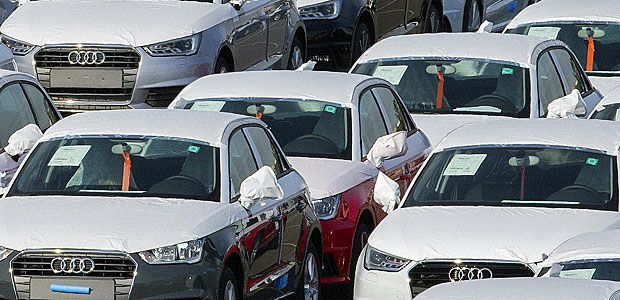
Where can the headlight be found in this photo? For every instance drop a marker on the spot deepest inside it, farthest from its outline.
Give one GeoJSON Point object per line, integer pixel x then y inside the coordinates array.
{"type": "Point", "coordinates": [5, 252]}
{"type": "Point", "coordinates": [188, 252]}
{"type": "Point", "coordinates": [324, 10]}
{"type": "Point", "coordinates": [377, 260]}
{"type": "Point", "coordinates": [17, 47]}
{"type": "Point", "coordinates": [178, 47]}
{"type": "Point", "coordinates": [326, 208]}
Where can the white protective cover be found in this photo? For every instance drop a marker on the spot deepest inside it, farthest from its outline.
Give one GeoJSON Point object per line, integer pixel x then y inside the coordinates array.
{"type": "Point", "coordinates": [605, 84]}
{"type": "Point", "coordinates": [263, 184]}
{"type": "Point", "coordinates": [387, 193]}
{"type": "Point", "coordinates": [113, 22]}
{"type": "Point", "coordinates": [570, 106]}
{"type": "Point", "coordinates": [568, 10]}
{"type": "Point", "coordinates": [610, 98]}
{"type": "Point", "coordinates": [595, 135]}
{"type": "Point", "coordinates": [387, 147]}
{"type": "Point", "coordinates": [595, 245]}
{"type": "Point", "coordinates": [523, 288]}
{"type": "Point", "coordinates": [521, 234]}
{"type": "Point", "coordinates": [110, 223]}
{"type": "Point", "coordinates": [437, 126]}
{"type": "Point", "coordinates": [22, 140]}
{"type": "Point", "coordinates": [329, 177]}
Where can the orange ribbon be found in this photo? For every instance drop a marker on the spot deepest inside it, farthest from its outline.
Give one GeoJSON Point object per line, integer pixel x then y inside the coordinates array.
{"type": "Point", "coordinates": [439, 101]}
{"type": "Point", "coordinates": [126, 171]}
{"type": "Point", "coordinates": [259, 115]}
{"type": "Point", "coordinates": [590, 62]}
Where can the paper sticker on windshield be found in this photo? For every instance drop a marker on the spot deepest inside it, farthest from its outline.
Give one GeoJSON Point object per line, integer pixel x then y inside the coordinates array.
{"type": "Point", "coordinates": [330, 109]}
{"type": "Point", "coordinates": [208, 105]}
{"type": "Point", "coordinates": [507, 71]}
{"type": "Point", "coordinates": [544, 32]}
{"type": "Point", "coordinates": [592, 161]}
{"type": "Point", "coordinates": [464, 165]}
{"type": "Point", "coordinates": [393, 74]}
{"type": "Point", "coordinates": [578, 274]}
{"type": "Point", "coordinates": [69, 156]}
{"type": "Point", "coordinates": [193, 149]}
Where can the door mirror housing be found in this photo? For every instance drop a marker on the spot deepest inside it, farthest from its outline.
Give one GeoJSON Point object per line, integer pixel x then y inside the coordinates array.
{"type": "Point", "coordinates": [387, 147]}
{"type": "Point", "coordinates": [261, 185]}
{"type": "Point", "coordinates": [237, 3]}
{"type": "Point", "coordinates": [569, 106]}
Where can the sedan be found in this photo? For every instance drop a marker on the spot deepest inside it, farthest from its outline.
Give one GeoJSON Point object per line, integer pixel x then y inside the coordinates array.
{"type": "Point", "coordinates": [329, 126]}
{"type": "Point", "coordinates": [140, 54]}
{"type": "Point", "coordinates": [207, 209]}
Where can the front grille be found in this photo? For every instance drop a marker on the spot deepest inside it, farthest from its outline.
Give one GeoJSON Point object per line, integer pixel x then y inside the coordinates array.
{"type": "Point", "coordinates": [427, 274]}
{"type": "Point", "coordinates": [118, 267]}
{"type": "Point", "coordinates": [57, 58]}
{"type": "Point", "coordinates": [161, 97]}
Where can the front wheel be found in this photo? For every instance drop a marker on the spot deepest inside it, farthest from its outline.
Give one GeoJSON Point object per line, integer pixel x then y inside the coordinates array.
{"type": "Point", "coordinates": [359, 242]}
{"type": "Point", "coordinates": [362, 40]}
{"type": "Point", "coordinates": [309, 288]}
{"type": "Point", "coordinates": [222, 66]}
{"type": "Point", "coordinates": [228, 286]}
{"type": "Point", "coordinates": [296, 59]}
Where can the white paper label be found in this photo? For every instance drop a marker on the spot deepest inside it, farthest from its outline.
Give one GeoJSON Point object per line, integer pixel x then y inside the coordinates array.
{"type": "Point", "coordinates": [464, 165]}
{"type": "Point", "coordinates": [578, 274]}
{"type": "Point", "coordinates": [393, 74]}
{"type": "Point", "coordinates": [208, 105]}
{"type": "Point", "coordinates": [69, 156]}
{"type": "Point", "coordinates": [544, 32]}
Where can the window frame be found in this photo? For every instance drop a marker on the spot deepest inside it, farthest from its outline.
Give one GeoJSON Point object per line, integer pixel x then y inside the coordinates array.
{"type": "Point", "coordinates": [538, 85]}
{"type": "Point", "coordinates": [286, 168]}
{"type": "Point", "coordinates": [368, 89]}
{"type": "Point", "coordinates": [235, 198]}
{"type": "Point", "coordinates": [589, 89]}
{"type": "Point", "coordinates": [47, 100]}
{"type": "Point", "coordinates": [411, 127]}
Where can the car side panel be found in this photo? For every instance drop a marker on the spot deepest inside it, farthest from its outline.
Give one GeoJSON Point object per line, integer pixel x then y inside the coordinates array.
{"type": "Point", "coordinates": [250, 34]}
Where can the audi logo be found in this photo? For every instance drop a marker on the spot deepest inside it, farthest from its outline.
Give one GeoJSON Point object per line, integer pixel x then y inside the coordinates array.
{"type": "Point", "coordinates": [467, 273]}
{"type": "Point", "coordinates": [72, 265]}
{"type": "Point", "coordinates": [86, 57]}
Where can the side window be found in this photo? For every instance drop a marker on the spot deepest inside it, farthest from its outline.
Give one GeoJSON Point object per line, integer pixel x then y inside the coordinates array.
{"type": "Point", "coordinates": [268, 152]}
{"type": "Point", "coordinates": [241, 161]}
{"type": "Point", "coordinates": [46, 116]}
{"type": "Point", "coordinates": [570, 70]}
{"type": "Point", "coordinates": [549, 84]}
{"type": "Point", "coordinates": [15, 112]}
{"type": "Point", "coordinates": [372, 125]}
{"type": "Point", "coordinates": [395, 114]}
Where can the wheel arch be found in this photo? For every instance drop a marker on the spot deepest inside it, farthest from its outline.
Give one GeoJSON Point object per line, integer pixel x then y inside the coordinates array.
{"type": "Point", "coordinates": [233, 261]}
{"type": "Point", "coordinates": [226, 52]}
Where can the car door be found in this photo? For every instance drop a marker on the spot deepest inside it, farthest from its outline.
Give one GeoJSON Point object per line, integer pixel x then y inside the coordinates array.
{"type": "Point", "coordinates": [278, 11]}
{"type": "Point", "coordinates": [290, 206]}
{"type": "Point", "coordinates": [261, 238]}
{"type": "Point", "coordinates": [250, 34]}
{"type": "Point", "coordinates": [573, 77]}
{"type": "Point", "coordinates": [401, 169]}
{"type": "Point", "coordinates": [549, 84]}
{"type": "Point", "coordinates": [390, 15]}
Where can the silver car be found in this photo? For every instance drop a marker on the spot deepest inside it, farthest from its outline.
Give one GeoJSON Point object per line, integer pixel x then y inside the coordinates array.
{"type": "Point", "coordinates": [467, 15]}
{"type": "Point", "coordinates": [140, 54]}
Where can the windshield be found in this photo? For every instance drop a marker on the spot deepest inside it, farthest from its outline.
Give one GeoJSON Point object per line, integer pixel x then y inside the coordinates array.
{"type": "Point", "coordinates": [606, 39]}
{"type": "Point", "coordinates": [541, 177]}
{"type": "Point", "coordinates": [304, 128]}
{"type": "Point", "coordinates": [600, 269]}
{"type": "Point", "coordinates": [608, 112]}
{"type": "Point", "coordinates": [468, 86]}
{"type": "Point", "coordinates": [131, 167]}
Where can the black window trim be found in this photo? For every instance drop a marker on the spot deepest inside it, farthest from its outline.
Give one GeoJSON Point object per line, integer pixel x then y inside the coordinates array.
{"type": "Point", "coordinates": [359, 117]}
{"type": "Point", "coordinates": [47, 99]}
{"type": "Point", "coordinates": [589, 88]}
{"type": "Point", "coordinates": [411, 127]}
{"type": "Point", "coordinates": [239, 128]}
{"type": "Point", "coordinates": [281, 157]}
{"type": "Point", "coordinates": [557, 71]}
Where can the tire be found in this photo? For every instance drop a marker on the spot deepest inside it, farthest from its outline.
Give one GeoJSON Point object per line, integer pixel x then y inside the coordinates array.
{"type": "Point", "coordinates": [362, 232]}
{"type": "Point", "coordinates": [310, 279]}
{"type": "Point", "coordinates": [433, 22]}
{"type": "Point", "coordinates": [472, 17]}
{"type": "Point", "coordinates": [222, 66]}
{"type": "Point", "coordinates": [362, 40]}
{"type": "Point", "coordinates": [225, 291]}
{"type": "Point", "coordinates": [296, 58]}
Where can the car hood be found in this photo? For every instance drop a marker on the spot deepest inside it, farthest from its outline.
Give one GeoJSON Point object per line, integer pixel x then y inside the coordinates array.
{"type": "Point", "coordinates": [605, 84]}
{"type": "Point", "coordinates": [112, 22]}
{"type": "Point", "coordinates": [102, 223]}
{"type": "Point", "coordinates": [486, 233]}
{"type": "Point", "coordinates": [329, 177]}
{"type": "Point", "coordinates": [437, 126]}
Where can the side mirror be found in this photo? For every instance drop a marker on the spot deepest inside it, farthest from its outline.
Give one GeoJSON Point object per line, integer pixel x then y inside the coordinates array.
{"type": "Point", "coordinates": [569, 106]}
{"type": "Point", "coordinates": [237, 3]}
{"type": "Point", "coordinates": [263, 184]}
{"type": "Point", "coordinates": [387, 192]}
{"type": "Point", "coordinates": [23, 140]}
{"type": "Point", "coordinates": [387, 147]}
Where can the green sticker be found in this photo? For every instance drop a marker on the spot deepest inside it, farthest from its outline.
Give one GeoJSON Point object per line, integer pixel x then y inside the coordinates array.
{"type": "Point", "coordinates": [193, 149]}
{"type": "Point", "coordinates": [592, 161]}
{"type": "Point", "coordinates": [507, 71]}
{"type": "Point", "coordinates": [330, 109]}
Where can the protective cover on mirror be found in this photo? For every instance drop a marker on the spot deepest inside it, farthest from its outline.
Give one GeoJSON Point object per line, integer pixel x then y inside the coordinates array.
{"type": "Point", "coordinates": [386, 147]}
{"type": "Point", "coordinates": [570, 106]}
{"type": "Point", "coordinates": [23, 140]}
{"type": "Point", "coordinates": [263, 184]}
{"type": "Point", "coordinates": [387, 192]}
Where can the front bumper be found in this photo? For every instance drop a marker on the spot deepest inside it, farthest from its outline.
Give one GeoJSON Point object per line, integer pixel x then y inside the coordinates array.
{"type": "Point", "coordinates": [146, 82]}
{"type": "Point", "coordinates": [329, 43]}
{"type": "Point", "coordinates": [370, 284]}
{"type": "Point", "coordinates": [173, 281]}
{"type": "Point", "coordinates": [337, 247]}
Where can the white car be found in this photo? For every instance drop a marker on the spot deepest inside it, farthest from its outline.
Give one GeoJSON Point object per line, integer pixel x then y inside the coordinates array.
{"type": "Point", "coordinates": [451, 79]}
{"type": "Point", "coordinates": [607, 109]}
{"type": "Point", "coordinates": [106, 54]}
{"type": "Point", "coordinates": [574, 23]}
{"type": "Point", "coordinates": [525, 288]}
{"type": "Point", "coordinates": [206, 209]}
{"type": "Point", "coordinates": [594, 255]}
{"type": "Point", "coordinates": [468, 15]}
{"type": "Point", "coordinates": [491, 202]}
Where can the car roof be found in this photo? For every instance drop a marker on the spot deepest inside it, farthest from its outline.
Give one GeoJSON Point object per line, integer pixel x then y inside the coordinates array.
{"type": "Point", "coordinates": [593, 245]}
{"type": "Point", "coordinates": [568, 11]}
{"type": "Point", "coordinates": [597, 135]}
{"type": "Point", "coordinates": [195, 125]}
{"type": "Point", "coordinates": [522, 288]}
{"type": "Point", "coordinates": [517, 49]}
{"type": "Point", "coordinates": [332, 87]}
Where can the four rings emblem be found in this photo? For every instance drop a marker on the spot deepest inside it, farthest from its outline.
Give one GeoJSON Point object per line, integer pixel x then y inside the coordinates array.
{"type": "Point", "coordinates": [93, 57]}
{"type": "Point", "coordinates": [467, 273]}
{"type": "Point", "coordinates": [72, 265]}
